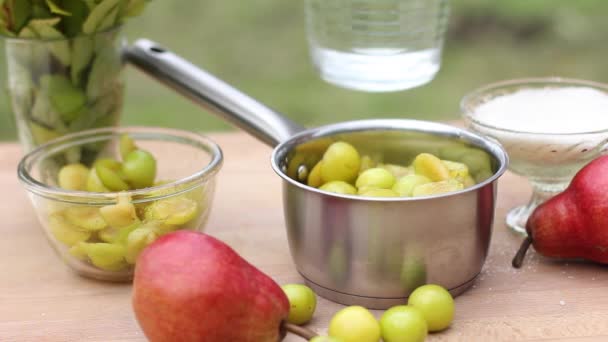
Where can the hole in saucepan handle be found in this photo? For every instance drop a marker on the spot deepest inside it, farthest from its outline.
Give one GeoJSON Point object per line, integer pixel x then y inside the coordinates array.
{"type": "Point", "coordinates": [157, 49]}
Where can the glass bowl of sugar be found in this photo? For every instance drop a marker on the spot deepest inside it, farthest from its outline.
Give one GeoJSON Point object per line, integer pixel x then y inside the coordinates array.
{"type": "Point", "coordinates": [550, 127]}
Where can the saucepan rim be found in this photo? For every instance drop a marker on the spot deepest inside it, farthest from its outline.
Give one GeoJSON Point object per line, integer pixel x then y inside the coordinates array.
{"type": "Point", "coordinates": [404, 125]}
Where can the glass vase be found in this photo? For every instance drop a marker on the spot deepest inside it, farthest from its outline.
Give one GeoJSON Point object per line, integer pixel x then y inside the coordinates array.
{"type": "Point", "coordinates": [60, 86]}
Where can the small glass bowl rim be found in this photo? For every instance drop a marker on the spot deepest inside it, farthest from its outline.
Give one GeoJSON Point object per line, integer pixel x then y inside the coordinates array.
{"type": "Point", "coordinates": [56, 145]}
{"type": "Point", "coordinates": [466, 105]}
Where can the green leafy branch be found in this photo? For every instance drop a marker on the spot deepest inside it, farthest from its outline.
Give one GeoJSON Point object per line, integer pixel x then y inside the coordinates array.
{"type": "Point", "coordinates": [53, 19]}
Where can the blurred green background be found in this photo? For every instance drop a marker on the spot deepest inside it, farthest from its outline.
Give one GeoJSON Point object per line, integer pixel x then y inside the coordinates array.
{"type": "Point", "coordinates": [261, 49]}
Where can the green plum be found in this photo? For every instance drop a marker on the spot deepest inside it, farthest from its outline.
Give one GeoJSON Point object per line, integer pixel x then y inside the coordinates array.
{"type": "Point", "coordinates": [117, 235]}
{"type": "Point", "coordinates": [398, 171]}
{"type": "Point", "coordinates": [457, 171]}
{"type": "Point", "coordinates": [436, 188]}
{"type": "Point", "coordinates": [378, 192]}
{"type": "Point", "coordinates": [111, 179]}
{"type": "Point", "coordinates": [341, 162]}
{"type": "Point", "coordinates": [126, 145]}
{"type": "Point", "coordinates": [406, 184]}
{"type": "Point", "coordinates": [403, 323]}
{"type": "Point", "coordinates": [110, 174]}
{"type": "Point", "coordinates": [109, 163]}
{"type": "Point", "coordinates": [66, 232]}
{"type": "Point", "coordinates": [107, 256]}
{"type": "Point", "coordinates": [78, 252]}
{"type": "Point", "coordinates": [430, 166]}
{"type": "Point", "coordinates": [375, 178]}
{"type": "Point", "coordinates": [177, 210]}
{"type": "Point", "coordinates": [302, 303]}
{"type": "Point", "coordinates": [137, 240]}
{"type": "Point", "coordinates": [366, 163]}
{"type": "Point", "coordinates": [94, 184]}
{"type": "Point", "coordinates": [139, 168]}
{"type": "Point", "coordinates": [355, 324]}
{"type": "Point", "coordinates": [121, 214]}
{"type": "Point", "coordinates": [86, 218]}
{"type": "Point", "coordinates": [339, 187]}
{"type": "Point", "coordinates": [436, 305]}
{"type": "Point", "coordinates": [73, 177]}
{"type": "Point", "coordinates": [314, 178]}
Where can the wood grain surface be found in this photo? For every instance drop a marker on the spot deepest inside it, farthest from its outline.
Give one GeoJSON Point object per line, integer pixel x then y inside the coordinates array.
{"type": "Point", "coordinates": [42, 300]}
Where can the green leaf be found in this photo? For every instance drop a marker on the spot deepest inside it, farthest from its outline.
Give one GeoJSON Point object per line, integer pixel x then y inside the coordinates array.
{"type": "Point", "coordinates": [72, 25]}
{"type": "Point", "coordinates": [4, 31]}
{"type": "Point", "coordinates": [90, 4]}
{"type": "Point", "coordinates": [108, 120]}
{"type": "Point", "coordinates": [106, 40]}
{"type": "Point", "coordinates": [45, 30]}
{"type": "Point", "coordinates": [85, 119]}
{"type": "Point", "coordinates": [20, 13]}
{"type": "Point", "coordinates": [82, 53]}
{"type": "Point", "coordinates": [109, 20]}
{"type": "Point", "coordinates": [27, 32]}
{"type": "Point", "coordinates": [41, 134]}
{"type": "Point", "coordinates": [98, 14]}
{"type": "Point", "coordinates": [104, 72]}
{"type": "Point", "coordinates": [34, 57]}
{"type": "Point", "coordinates": [56, 9]}
{"type": "Point", "coordinates": [103, 112]}
{"type": "Point", "coordinates": [67, 100]}
{"type": "Point", "coordinates": [71, 116]}
{"type": "Point", "coordinates": [3, 17]}
{"type": "Point", "coordinates": [43, 113]}
{"type": "Point", "coordinates": [109, 102]}
{"type": "Point", "coordinates": [133, 8]}
{"type": "Point", "coordinates": [42, 23]}
{"type": "Point", "coordinates": [40, 11]}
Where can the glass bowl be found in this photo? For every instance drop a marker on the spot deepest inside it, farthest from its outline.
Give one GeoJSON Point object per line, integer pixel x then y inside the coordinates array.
{"type": "Point", "coordinates": [547, 160]}
{"type": "Point", "coordinates": [86, 229]}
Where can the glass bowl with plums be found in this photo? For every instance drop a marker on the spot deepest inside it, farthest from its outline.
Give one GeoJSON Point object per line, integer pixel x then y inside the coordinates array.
{"type": "Point", "coordinates": [103, 195]}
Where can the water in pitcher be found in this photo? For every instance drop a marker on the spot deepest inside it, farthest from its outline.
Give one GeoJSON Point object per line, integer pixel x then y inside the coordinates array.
{"type": "Point", "coordinates": [376, 45]}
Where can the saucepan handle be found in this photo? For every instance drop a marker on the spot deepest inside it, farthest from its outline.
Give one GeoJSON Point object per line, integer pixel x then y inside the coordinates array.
{"type": "Point", "coordinates": [210, 92]}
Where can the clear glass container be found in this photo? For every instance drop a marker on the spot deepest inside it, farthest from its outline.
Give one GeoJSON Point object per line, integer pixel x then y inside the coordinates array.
{"type": "Point", "coordinates": [376, 45]}
{"type": "Point", "coordinates": [547, 160]}
{"type": "Point", "coordinates": [60, 86]}
{"type": "Point", "coordinates": [91, 241]}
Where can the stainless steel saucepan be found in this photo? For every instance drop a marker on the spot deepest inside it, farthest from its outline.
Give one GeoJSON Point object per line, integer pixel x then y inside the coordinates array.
{"type": "Point", "coordinates": [350, 249]}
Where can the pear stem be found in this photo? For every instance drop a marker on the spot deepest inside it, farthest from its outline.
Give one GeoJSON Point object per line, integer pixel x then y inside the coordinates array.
{"type": "Point", "coordinates": [518, 260]}
{"type": "Point", "coordinates": [298, 330]}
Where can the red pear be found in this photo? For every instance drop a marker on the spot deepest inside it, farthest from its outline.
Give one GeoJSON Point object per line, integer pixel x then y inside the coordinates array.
{"type": "Point", "coordinates": [574, 223]}
{"type": "Point", "coordinates": [189, 286]}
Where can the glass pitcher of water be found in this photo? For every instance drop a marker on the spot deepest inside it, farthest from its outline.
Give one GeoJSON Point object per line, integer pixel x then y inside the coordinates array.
{"type": "Point", "coordinates": [376, 45]}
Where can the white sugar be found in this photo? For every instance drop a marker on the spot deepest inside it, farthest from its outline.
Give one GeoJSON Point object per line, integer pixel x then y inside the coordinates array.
{"type": "Point", "coordinates": [548, 110]}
